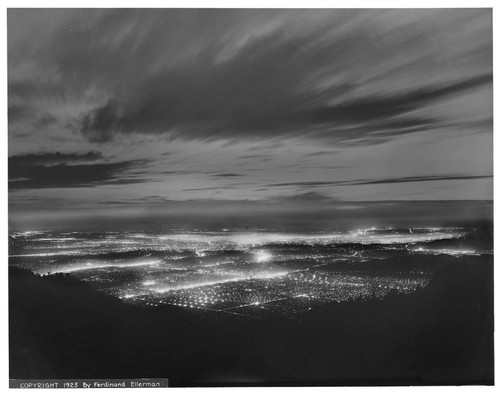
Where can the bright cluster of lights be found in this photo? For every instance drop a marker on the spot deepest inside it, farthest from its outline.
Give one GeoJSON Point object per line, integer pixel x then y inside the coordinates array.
{"type": "Point", "coordinates": [450, 251]}
{"type": "Point", "coordinates": [77, 267]}
{"type": "Point", "coordinates": [263, 256]}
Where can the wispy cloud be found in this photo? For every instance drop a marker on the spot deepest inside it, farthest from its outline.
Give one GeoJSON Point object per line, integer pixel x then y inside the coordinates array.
{"type": "Point", "coordinates": [247, 74]}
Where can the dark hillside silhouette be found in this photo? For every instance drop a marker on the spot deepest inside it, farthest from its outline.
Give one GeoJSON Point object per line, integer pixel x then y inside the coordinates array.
{"type": "Point", "coordinates": [443, 334]}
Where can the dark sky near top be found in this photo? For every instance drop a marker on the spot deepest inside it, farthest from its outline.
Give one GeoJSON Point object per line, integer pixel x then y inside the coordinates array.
{"type": "Point", "coordinates": [134, 109]}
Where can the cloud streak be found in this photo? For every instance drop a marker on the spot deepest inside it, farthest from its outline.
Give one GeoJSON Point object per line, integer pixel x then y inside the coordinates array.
{"type": "Point", "coordinates": [410, 179]}
{"type": "Point", "coordinates": [248, 74]}
{"type": "Point", "coordinates": [62, 170]}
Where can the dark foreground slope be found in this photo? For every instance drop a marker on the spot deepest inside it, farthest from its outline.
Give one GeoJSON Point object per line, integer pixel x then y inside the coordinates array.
{"type": "Point", "coordinates": [443, 334]}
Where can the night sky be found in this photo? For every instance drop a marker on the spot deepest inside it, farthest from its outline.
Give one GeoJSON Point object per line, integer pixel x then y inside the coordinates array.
{"type": "Point", "coordinates": [130, 113]}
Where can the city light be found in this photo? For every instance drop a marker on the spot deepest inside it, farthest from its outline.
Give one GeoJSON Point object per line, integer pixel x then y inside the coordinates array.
{"type": "Point", "coordinates": [245, 274]}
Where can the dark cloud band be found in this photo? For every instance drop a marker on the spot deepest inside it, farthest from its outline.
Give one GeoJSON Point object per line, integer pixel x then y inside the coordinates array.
{"type": "Point", "coordinates": [61, 170]}
{"type": "Point", "coordinates": [411, 179]}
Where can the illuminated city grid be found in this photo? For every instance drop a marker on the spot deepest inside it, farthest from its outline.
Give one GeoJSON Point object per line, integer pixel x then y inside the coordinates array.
{"type": "Point", "coordinates": [244, 274]}
{"type": "Point", "coordinates": [286, 294]}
